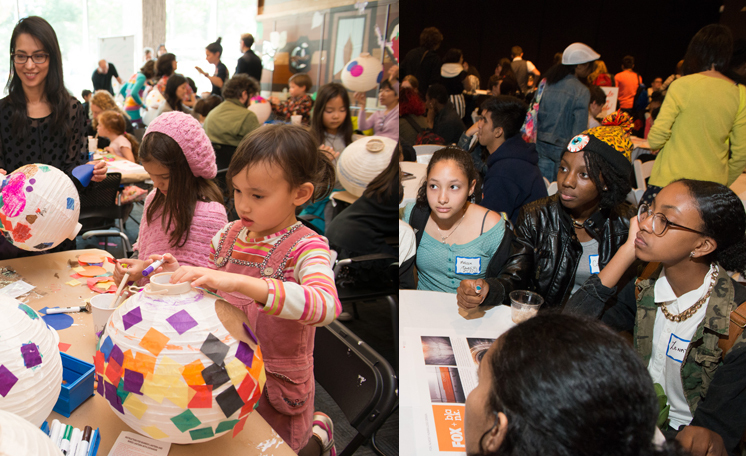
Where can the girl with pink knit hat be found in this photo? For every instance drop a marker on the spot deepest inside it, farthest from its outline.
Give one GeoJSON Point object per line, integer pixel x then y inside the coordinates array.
{"type": "Point", "coordinates": [278, 272]}
{"type": "Point", "coordinates": [185, 209]}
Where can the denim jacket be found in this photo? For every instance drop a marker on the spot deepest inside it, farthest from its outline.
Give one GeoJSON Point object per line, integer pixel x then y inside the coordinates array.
{"type": "Point", "coordinates": [563, 111]}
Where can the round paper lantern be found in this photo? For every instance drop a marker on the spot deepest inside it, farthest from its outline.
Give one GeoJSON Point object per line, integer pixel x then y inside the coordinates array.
{"type": "Point", "coordinates": [30, 363]}
{"type": "Point", "coordinates": [363, 73]}
{"type": "Point", "coordinates": [179, 364]}
{"type": "Point", "coordinates": [18, 436]}
{"type": "Point", "coordinates": [261, 108]}
{"type": "Point", "coordinates": [363, 160]}
{"type": "Point", "coordinates": [39, 207]}
{"type": "Point", "coordinates": [153, 102]}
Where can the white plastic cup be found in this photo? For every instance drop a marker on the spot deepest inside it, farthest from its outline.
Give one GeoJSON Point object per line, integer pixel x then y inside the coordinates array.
{"type": "Point", "coordinates": [92, 144]}
{"type": "Point", "coordinates": [101, 312]}
{"type": "Point", "coordinates": [296, 119]}
{"type": "Point", "coordinates": [524, 305]}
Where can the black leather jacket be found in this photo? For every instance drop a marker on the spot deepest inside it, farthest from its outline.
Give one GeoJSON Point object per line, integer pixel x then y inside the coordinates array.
{"type": "Point", "coordinates": [545, 251]}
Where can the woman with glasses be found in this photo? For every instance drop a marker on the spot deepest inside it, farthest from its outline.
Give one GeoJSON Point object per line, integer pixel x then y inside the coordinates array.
{"type": "Point", "coordinates": [684, 316]}
{"type": "Point", "coordinates": [40, 122]}
{"type": "Point", "coordinates": [563, 239]}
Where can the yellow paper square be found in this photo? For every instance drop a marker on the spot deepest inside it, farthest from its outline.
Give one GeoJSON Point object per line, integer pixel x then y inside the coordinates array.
{"type": "Point", "coordinates": [167, 367]}
{"type": "Point", "coordinates": [236, 371]}
{"type": "Point", "coordinates": [73, 283]}
{"type": "Point", "coordinates": [262, 379]}
{"type": "Point", "coordinates": [154, 432]}
{"type": "Point", "coordinates": [135, 406]}
{"type": "Point", "coordinates": [79, 269]}
{"type": "Point", "coordinates": [154, 391]}
{"type": "Point", "coordinates": [178, 393]}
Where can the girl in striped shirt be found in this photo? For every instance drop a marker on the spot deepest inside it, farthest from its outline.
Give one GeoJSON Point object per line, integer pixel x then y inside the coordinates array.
{"type": "Point", "coordinates": [278, 272]}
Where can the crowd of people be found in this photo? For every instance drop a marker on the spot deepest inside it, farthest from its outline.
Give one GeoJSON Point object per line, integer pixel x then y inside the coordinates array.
{"type": "Point", "coordinates": [483, 225]}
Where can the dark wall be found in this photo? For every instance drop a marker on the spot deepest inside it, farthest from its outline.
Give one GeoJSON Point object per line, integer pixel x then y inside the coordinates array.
{"type": "Point", "coordinates": [655, 32]}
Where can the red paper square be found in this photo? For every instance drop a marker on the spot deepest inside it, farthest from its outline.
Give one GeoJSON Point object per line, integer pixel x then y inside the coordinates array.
{"type": "Point", "coordinates": [239, 426]}
{"type": "Point", "coordinates": [113, 372]}
{"type": "Point", "coordinates": [203, 398]}
{"type": "Point", "coordinates": [99, 361]}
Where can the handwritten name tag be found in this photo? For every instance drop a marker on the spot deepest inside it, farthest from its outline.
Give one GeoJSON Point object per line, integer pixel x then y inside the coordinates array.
{"type": "Point", "coordinates": [593, 264]}
{"type": "Point", "coordinates": [677, 348]}
{"type": "Point", "coordinates": [468, 266]}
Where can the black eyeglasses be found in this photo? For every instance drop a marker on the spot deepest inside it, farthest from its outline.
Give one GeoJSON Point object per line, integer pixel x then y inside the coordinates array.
{"type": "Point", "coordinates": [21, 59]}
{"type": "Point", "coordinates": [660, 222]}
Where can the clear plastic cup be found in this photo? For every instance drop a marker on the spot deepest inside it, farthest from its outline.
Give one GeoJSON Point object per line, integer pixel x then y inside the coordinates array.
{"type": "Point", "coordinates": [100, 306]}
{"type": "Point", "coordinates": [524, 305]}
{"type": "Point", "coordinates": [296, 119]}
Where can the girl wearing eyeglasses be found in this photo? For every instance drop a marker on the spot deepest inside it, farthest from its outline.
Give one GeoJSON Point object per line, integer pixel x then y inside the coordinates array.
{"type": "Point", "coordinates": [39, 121]}
{"type": "Point", "coordinates": [682, 315]}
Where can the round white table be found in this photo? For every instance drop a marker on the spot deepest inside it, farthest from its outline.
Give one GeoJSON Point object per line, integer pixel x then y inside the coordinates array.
{"type": "Point", "coordinates": [412, 185]}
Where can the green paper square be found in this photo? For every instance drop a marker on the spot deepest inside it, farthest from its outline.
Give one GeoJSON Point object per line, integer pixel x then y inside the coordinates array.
{"type": "Point", "coordinates": [225, 426]}
{"type": "Point", "coordinates": [186, 420]}
{"type": "Point", "coordinates": [204, 433]}
{"type": "Point", "coordinates": [121, 392]}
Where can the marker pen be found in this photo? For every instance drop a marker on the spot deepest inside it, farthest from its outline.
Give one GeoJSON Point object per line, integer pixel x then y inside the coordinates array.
{"type": "Point", "coordinates": [82, 449]}
{"type": "Point", "coordinates": [75, 441]}
{"type": "Point", "coordinates": [57, 310]}
{"type": "Point", "coordinates": [149, 270]}
{"type": "Point", "coordinates": [65, 444]}
{"type": "Point", "coordinates": [54, 432]}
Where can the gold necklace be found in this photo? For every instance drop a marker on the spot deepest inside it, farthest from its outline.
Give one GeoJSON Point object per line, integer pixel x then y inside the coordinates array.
{"type": "Point", "coordinates": [577, 224]}
{"type": "Point", "coordinates": [693, 309]}
{"type": "Point", "coordinates": [443, 238]}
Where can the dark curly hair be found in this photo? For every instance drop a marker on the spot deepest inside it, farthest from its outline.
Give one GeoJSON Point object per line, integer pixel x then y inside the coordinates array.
{"type": "Point", "coordinates": [724, 220]}
{"type": "Point", "coordinates": [617, 181]}
{"type": "Point", "coordinates": [553, 391]}
{"type": "Point", "coordinates": [430, 38]}
{"type": "Point", "coordinates": [462, 159]}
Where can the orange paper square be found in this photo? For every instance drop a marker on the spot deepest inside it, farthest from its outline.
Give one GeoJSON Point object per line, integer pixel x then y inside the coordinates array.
{"type": "Point", "coordinates": [154, 341]}
{"type": "Point", "coordinates": [99, 362]}
{"type": "Point", "coordinates": [193, 373]}
{"type": "Point", "coordinates": [144, 363]}
{"type": "Point", "coordinates": [129, 360]}
{"type": "Point", "coordinates": [256, 367]}
{"type": "Point", "coordinates": [202, 398]}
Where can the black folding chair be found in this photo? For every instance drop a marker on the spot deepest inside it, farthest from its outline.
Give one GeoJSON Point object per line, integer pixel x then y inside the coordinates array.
{"type": "Point", "coordinates": [359, 380]}
{"type": "Point", "coordinates": [102, 214]}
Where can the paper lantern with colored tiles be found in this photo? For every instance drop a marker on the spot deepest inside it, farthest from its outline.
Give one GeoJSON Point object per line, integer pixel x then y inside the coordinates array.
{"type": "Point", "coordinates": [30, 362]}
{"type": "Point", "coordinates": [179, 364]}
{"type": "Point", "coordinates": [39, 207]}
{"type": "Point", "coordinates": [363, 73]}
{"type": "Point", "coordinates": [261, 107]}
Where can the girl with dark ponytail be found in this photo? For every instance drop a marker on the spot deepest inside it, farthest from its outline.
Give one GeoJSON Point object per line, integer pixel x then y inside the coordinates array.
{"type": "Point", "coordinates": [213, 52]}
{"type": "Point", "coordinates": [683, 309]}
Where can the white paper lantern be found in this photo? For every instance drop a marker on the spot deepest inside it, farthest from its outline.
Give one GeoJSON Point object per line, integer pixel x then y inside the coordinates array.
{"type": "Point", "coordinates": [153, 102]}
{"type": "Point", "coordinates": [176, 363]}
{"type": "Point", "coordinates": [261, 108]}
{"type": "Point", "coordinates": [18, 436]}
{"type": "Point", "coordinates": [362, 161]}
{"type": "Point", "coordinates": [30, 362]}
{"type": "Point", "coordinates": [362, 73]}
{"type": "Point", "coordinates": [39, 207]}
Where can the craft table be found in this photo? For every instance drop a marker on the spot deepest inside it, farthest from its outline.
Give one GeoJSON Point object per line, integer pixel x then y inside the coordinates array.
{"type": "Point", "coordinates": [411, 186]}
{"type": "Point", "coordinates": [49, 274]}
{"type": "Point", "coordinates": [435, 314]}
{"type": "Point", "coordinates": [131, 172]}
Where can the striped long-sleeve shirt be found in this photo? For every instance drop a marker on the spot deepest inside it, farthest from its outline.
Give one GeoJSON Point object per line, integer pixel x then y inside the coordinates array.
{"type": "Point", "coordinates": [308, 294]}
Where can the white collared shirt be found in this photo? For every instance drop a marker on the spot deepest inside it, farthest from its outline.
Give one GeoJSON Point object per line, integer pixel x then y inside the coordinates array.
{"type": "Point", "coordinates": [670, 342]}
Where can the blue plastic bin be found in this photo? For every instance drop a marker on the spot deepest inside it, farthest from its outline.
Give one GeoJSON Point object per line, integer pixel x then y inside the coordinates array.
{"type": "Point", "coordinates": [77, 384]}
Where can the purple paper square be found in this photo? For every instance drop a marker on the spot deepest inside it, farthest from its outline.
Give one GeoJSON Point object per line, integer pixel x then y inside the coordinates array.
{"type": "Point", "coordinates": [113, 398]}
{"type": "Point", "coordinates": [250, 333]}
{"type": "Point", "coordinates": [117, 355]}
{"type": "Point", "coordinates": [31, 356]}
{"type": "Point", "coordinates": [7, 380]}
{"type": "Point", "coordinates": [132, 318]}
{"type": "Point", "coordinates": [245, 354]}
{"type": "Point", "coordinates": [133, 381]}
{"type": "Point", "coordinates": [181, 321]}
{"type": "Point", "coordinates": [100, 385]}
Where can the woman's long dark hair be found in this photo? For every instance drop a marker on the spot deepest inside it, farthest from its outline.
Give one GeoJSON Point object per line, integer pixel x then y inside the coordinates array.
{"type": "Point", "coordinates": [558, 72]}
{"type": "Point", "coordinates": [328, 92]}
{"type": "Point", "coordinates": [184, 188]}
{"type": "Point", "coordinates": [174, 81]}
{"type": "Point", "coordinates": [165, 65]}
{"type": "Point", "coordinates": [54, 86]}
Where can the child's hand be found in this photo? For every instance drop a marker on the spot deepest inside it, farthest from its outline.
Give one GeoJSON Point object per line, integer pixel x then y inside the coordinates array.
{"type": "Point", "coordinates": [129, 266]}
{"type": "Point", "coordinates": [274, 100]}
{"type": "Point", "coordinates": [109, 149]}
{"type": "Point", "coordinates": [207, 278]}
{"type": "Point", "coordinates": [329, 152]}
{"type": "Point", "coordinates": [360, 98]}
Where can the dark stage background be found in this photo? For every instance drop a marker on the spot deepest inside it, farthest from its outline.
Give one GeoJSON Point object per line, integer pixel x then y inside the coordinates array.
{"type": "Point", "coordinates": [656, 33]}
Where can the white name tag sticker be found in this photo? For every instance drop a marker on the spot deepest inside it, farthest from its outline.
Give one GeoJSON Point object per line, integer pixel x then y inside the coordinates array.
{"type": "Point", "coordinates": [677, 348]}
{"type": "Point", "coordinates": [468, 266]}
{"type": "Point", "coordinates": [593, 264]}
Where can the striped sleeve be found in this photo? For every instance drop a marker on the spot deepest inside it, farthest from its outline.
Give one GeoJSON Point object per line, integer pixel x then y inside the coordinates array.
{"type": "Point", "coordinates": [313, 300]}
{"type": "Point", "coordinates": [214, 242]}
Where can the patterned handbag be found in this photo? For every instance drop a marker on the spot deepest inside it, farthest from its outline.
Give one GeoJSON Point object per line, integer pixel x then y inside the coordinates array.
{"type": "Point", "coordinates": [528, 129]}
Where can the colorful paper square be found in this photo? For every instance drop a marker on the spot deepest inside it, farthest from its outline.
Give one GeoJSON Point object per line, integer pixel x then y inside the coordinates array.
{"type": "Point", "coordinates": [7, 380]}
{"type": "Point", "coordinates": [202, 433]}
{"type": "Point", "coordinates": [29, 311]}
{"type": "Point", "coordinates": [178, 393]}
{"type": "Point", "coordinates": [113, 371]}
{"type": "Point", "coordinates": [245, 353]}
{"type": "Point", "coordinates": [236, 371]}
{"type": "Point", "coordinates": [31, 355]}
{"type": "Point", "coordinates": [202, 397]}
{"type": "Point", "coordinates": [106, 347]}
{"type": "Point", "coordinates": [239, 426]}
{"type": "Point", "coordinates": [121, 392]}
{"type": "Point", "coordinates": [154, 432]}
{"type": "Point", "coordinates": [133, 381]}
{"type": "Point", "coordinates": [154, 341]}
{"type": "Point", "coordinates": [117, 355]}
{"type": "Point", "coordinates": [250, 333]}
{"type": "Point", "coordinates": [247, 387]}
{"type": "Point", "coordinates": [229, 401]}
{"type": "Point", "coordinates": [100, 385]}
{"type": "Point", "coordinates": [214, 349]}
{"type": "Point", "coordinates": [155, 392]}
{"type": "Point", "coordinates": [135, 406]}
{"type": "Point", "coordinates": [226, 426]}
{"type": "Point", "coordinates": [181, 321]}
{"type": "Point", "coordinates": [192, 373]}
{"type": "Point", "coordinates": [98, 362]}
{"type": "Point", "coordinates": [131, 318]}
{"type": "Point", "coordinates": [112, 397]}
{"type": "Point", "coordinates": [145, 363]}
{"type": "Point", "coordinates": [186, 420]}
{"type": "Point", "coordinates": [63, 346]}
{"type": "Point", "coordinates": [215, 375]}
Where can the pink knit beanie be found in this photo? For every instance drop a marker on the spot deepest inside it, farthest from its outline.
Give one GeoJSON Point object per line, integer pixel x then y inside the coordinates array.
{"type": "Point", "coordinates": [189, 135]}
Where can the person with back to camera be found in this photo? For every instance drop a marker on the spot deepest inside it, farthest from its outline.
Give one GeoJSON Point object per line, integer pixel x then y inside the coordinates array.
{"type": "Point", "coordinates": [522, 68]}
{"type": "Point", "coordinates": [565, 238]}
{"type": "Point", "coordinates": [601, 76]}
{"type": "Point", "coordinates": [422, 62]}
{"type": "Point", "coordinates": [249, 63]}
{"type": "Point", "coordinates": [684, 310]}
{"type": "Point", "coordinates": [165, 66]}
{"type": "Point", "coordinates": [134, 90]}
{"type": "Point", "coordinates": [701, 126]}
{"type": "Point", "coordinates": [452, 75]}
{"type": "Point", "coordinates": [442, 117]}
{"type": "Point", "coordinates": [563, 109]}
{"type": "Point", "coordinates": [40, 122]}
{"type": "Point", "coordinates": [576, 389]}
{"type": "Point", "coordinates": [213, 53]}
